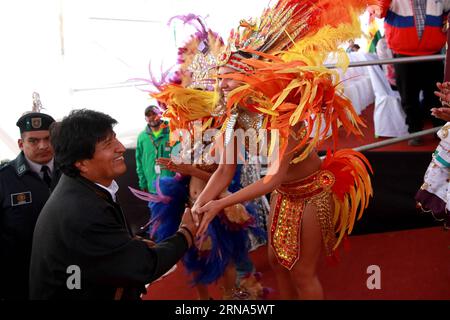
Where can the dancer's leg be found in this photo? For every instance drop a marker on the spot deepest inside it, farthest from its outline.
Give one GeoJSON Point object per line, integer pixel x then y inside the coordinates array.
{"type": "Point", "coordinates": [286, 286]}
{"type": "Point", "coordinates": [203, 293]}
{"type": "Point", "coordinates": [228, 281]}
{"type": "Point", "coordinates": [304, 272]}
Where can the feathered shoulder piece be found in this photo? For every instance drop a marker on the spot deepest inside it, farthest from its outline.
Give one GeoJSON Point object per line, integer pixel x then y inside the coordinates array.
{"type": "Point", "coordinates": [185, 105]}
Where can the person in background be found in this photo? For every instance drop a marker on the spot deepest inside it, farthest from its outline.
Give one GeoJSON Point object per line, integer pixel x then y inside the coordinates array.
{"type": "Point", "coordinates": [25, 185]}
{"type": "Point", "coordinates": [355, 48]}
{"type": "Point", "coordinates": [351, 43]}
{"type": "Point", "coordinates": [384, 52]}
{"type": "Point", "coordinates": [434, 194]}
{"type": "Point", "coordinates": [415, 28]}
{"type": "Point", "coordinates": [152, 143]}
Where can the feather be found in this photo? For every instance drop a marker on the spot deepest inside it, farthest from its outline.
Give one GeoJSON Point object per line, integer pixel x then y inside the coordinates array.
{"type": "Point", "coordinates": [351, 190]}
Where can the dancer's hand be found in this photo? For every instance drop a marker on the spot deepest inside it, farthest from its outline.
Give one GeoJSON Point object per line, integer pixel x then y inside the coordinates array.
{"type": "Point", "coordinates": [167, 164]}
{"type": "Point", "coordinates": [197, 205]}
{"type": "Point", "coordinates": [208, 212]}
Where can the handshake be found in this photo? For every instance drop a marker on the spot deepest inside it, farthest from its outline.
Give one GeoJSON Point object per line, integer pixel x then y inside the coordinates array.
{"type": "Point", "coordinates": [189, 225]}
{"type": "Point", "coordinates": [195, 221]}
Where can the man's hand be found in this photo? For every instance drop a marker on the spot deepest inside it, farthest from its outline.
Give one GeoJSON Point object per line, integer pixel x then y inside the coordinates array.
{"type": "Point", "coordinates": [187, 222]}
{"type": "Point", "coordinates": [167, 164]}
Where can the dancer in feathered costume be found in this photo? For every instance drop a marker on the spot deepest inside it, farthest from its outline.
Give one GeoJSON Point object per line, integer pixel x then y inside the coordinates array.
{"type": "Point", "coordinates": [272, 69]}
{"type": "Point", "coordinates": [189, 98]}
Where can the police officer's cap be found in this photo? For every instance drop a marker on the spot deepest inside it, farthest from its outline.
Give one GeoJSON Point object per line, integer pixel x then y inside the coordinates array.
{"type": "Point", "coordinates": [34, 121]}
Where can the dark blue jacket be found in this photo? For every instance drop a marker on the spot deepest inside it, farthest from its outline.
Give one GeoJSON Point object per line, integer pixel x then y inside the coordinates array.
{"type": "Point", "coordinates": [22, 195]}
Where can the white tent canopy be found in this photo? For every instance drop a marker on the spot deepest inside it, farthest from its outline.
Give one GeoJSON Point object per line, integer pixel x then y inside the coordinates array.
{"type": "Point", "coordinates": [81, 54]}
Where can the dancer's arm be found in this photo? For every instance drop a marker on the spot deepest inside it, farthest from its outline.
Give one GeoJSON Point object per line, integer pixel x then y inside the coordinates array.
{"type": "Point", "coordinates": [220, 179]}
{"type": "Point", "coordinates": [184, 169]}
{"type": "Point", "coordinates": [252, 191]}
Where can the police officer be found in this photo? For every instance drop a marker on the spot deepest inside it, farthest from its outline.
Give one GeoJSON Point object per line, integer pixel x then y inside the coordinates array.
{"type": "Point", "coordinates": [25, 186]}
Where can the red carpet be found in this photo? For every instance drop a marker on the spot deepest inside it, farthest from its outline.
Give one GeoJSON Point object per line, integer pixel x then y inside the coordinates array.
{"type": "Point", "coordinates": [414, 265]}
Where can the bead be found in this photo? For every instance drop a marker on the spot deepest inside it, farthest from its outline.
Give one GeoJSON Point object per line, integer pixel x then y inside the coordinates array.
{"type": "Point", "coordinates": [290, 202]}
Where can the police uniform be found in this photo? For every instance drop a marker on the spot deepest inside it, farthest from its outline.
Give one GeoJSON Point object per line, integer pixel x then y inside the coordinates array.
{"type": "Point", "coordinates": [23, 193]}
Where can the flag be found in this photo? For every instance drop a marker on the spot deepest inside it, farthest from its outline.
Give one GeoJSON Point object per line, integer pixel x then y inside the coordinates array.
{"type": "Point", "coordinates": [374, 35]}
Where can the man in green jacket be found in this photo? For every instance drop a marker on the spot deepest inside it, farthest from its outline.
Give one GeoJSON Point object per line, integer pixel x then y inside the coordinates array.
{"type": "Point", "coordinates": [152, 143]}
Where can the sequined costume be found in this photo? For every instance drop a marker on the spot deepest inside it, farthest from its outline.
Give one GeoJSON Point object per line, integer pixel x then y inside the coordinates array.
{"type": "Point", "coordinates": [434, 194]}
{"type": "Point", "coordinates": [251, 169]}
{"type": "Point", "coordinates": [322, 190]}
{"type": "Point", "coordinates": [278, 59]}
{"type": "Point", "coordinates": [251, 173]}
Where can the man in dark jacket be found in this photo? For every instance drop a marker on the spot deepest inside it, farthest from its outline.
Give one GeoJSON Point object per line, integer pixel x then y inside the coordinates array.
{"type": "Point", "coordinates": [25, 186]}
{"type": "Point", "coordinates": [82, 245]}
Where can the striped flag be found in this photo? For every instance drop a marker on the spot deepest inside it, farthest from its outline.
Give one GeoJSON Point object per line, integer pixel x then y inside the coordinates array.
{"type": "Point", "coordinates": [374, 35]}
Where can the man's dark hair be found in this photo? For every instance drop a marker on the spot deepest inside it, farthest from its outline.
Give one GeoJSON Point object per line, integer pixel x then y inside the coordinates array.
{"type": "Point", "coordinates": [74, 138]}
{"type": "Point", "coordinates": [150, 110]}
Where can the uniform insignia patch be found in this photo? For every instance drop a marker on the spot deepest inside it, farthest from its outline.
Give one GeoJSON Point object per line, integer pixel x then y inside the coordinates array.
{"type": "Point", "coordinates": [36, 123]}
{"type": "Point", "coordinates": [21, 169]}
{"type": "Point", "coordinates": [18, 199]}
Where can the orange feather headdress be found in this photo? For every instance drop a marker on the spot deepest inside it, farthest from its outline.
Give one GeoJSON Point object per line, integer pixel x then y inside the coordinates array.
{"type": "Point", "coordinates": [285, 79]}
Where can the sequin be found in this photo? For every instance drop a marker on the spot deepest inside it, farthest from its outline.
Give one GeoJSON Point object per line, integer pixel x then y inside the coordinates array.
{"type": "Point", "coordinates": [291, 200]}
